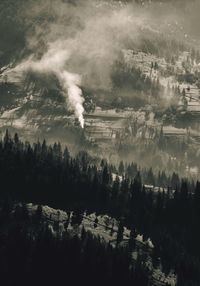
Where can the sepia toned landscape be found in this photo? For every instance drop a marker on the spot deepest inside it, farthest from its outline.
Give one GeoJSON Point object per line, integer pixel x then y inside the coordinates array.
{"type": "Point", "coordinates": [100, 142]}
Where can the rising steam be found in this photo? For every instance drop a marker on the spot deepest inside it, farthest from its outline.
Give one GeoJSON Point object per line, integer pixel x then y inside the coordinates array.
{"type": "Point", "coordinates": [54, 61]}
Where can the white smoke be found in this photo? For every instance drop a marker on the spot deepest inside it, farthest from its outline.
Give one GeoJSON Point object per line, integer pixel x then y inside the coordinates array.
{"type": "Point", "coordinates": [54, 61]}
{"type": "Point", "coordinates": [70, 83]}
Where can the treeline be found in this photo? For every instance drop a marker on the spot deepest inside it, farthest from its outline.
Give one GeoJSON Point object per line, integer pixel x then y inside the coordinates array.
{"type": "Point", "coordinates": [133, 82]}
{"type": "Point", "coordinates": [137, 88]}
{"type": "Point", "coordinates": [162, 46]}
{"type": "Point", "coordinates": [44, 174]}
{"type": "Point", "coordinates": [34, 254]}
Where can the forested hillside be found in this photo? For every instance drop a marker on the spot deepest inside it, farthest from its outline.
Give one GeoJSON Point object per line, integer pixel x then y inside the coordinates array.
{"type": "Point", "coordinates": [35, 254]}
{"type": "Point", "coordinates": [46, 175]}
{"type": "Point", "coordinates": [104, 79]}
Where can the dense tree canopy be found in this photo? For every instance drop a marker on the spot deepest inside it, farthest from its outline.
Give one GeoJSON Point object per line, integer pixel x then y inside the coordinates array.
{"type": "Point", "coordinates": [45, 174]}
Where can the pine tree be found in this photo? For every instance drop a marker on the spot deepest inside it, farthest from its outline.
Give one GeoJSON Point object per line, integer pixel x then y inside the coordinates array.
{"type": "Point", "coordinates": [120, 232]}
{"type": "Point", "coordinates": [39, 212]}
{"type": "Point", "coordinates": [132, 243]}
{"type": "Point", "coordinates": [121, 168]}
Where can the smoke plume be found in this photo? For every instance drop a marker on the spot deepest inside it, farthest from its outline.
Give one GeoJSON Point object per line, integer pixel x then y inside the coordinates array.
{"type": "Point", "coordinates": [80, 41]}
{"type": "Point", "coordinates": [54, 62]}
{"type": "Point", "coordinates": [70, 83]}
